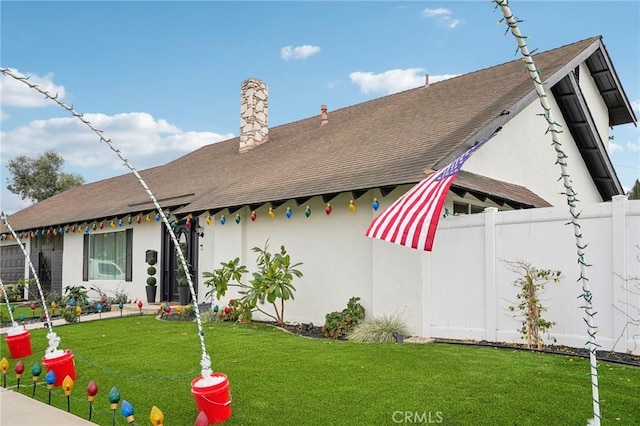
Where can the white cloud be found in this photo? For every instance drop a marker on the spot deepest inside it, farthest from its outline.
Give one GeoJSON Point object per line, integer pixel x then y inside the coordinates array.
{"type": "Point", "coordinates": [633, 146]}
{"type": "Point", "coordinates": [613, 147]}
{"type": "Point", "coordinates": [142, 139]}
{"type": "Point", "coordinates": [298, 52]}
{"type": "Point", "coordinates": [393, 81]}
{"type": "Point", "coordinates": [14, 93]}
{"type": "Point", "coordinates": [636, 105]}
{"type": "Point", "coordinates": [3, 115]}
{"type": "Point", "coordinates": [443, 16]}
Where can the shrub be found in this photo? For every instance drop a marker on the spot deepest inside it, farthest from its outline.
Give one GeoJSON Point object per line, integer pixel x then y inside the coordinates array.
{"type": "Point", "coordinates": [151, 281]}
{"type": "Point", "coordinates": [380, 329]}
{"type": "Point", "coordinates": [151, 270]}
{"type": "Point", "coordinates": [338, 324]}
{"type": "Point", "coordinates": [70, 315]}
{"type": "Point", "coordinates": [272, 284]}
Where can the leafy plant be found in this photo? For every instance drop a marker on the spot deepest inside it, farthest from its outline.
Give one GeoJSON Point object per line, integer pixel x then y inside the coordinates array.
{"type": "Point", "coordinates": [271, 284]}
{"type": "Point", "coordinates": [77, 293]}
{"type": "Point", "coordinates": [531, 283]}
{"type": "Point", "coordinates": [338, 324]}
{"type": "Point", "coordinates": [381, 329]}
{"type": "Point", "coordinates": [70, 316]}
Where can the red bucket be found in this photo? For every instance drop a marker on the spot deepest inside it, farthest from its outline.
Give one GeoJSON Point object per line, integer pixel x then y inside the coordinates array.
{"type": "Point", "coordinates": [62, 366]}
{"type": "Point", "coordinates": [214, 400]}
{"type": "Point", "coordinates": [19, 344]}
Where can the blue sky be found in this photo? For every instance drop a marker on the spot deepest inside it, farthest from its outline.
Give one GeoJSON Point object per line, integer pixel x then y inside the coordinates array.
{"type": "Point", "coordinates": [163, 78]}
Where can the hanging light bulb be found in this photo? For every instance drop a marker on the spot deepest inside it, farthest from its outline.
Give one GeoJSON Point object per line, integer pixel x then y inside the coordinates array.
{"type": "Point", "coordinates": [253, 216]}
{"type": "Point", "coordinates": [208, 220]}
{"type": "Point", "coordinates": [328, 209]}
{"type": "Point", "coordinates": [223, 220]}
{"type": "Point", "coordinates": [307, 211]}
{"type": "Point", "coordinates": [289, 213]}
{"type": "Point", "coordinates": [272, 213]}
{"type": "Point", "coordinates": [238, 218]}
{"type": "Point", "coordinates": [352, 206]}
{"type": "Point", "coordinates": [375, 204]}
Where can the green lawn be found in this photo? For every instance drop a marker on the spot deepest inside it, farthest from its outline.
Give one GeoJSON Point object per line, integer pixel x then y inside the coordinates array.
{"type": "Point", "coordinates": [21, 308]}
{"type": "Point", "coordinates": [284, 379]}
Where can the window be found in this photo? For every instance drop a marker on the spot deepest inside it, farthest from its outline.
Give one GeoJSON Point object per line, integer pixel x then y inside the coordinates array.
{"type": "Point", "coordinates": [464, 208]}
{"type": "Point", "coordinates": [107, 256]}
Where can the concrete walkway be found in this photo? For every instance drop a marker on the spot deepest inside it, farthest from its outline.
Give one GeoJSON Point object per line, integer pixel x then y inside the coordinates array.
{"type": "Point", "coordinates": [17, 409]}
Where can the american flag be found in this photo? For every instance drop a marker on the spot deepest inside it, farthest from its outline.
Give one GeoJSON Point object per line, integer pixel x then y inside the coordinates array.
{"type": "Point", "coordinates": [412, 219]}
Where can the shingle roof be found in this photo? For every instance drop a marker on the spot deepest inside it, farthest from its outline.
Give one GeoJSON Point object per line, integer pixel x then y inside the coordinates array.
{"type": "Point", "coordinates": [387, 141]}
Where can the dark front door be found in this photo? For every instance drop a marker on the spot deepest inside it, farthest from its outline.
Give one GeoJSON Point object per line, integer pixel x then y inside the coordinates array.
{"type": "Point", "coordinates": [44, 269]}
{"type": "Point", "coordinates": [188, 239]}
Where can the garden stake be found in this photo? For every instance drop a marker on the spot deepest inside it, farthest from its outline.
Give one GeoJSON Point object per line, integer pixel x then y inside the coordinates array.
{"type": "Point", "coordinates": [19, 370]}
{"type": "Point", "coordinates": [67, 385]}
{"type": "Point", "coordinates": [35, 371]}
{"type": "Point", "coordinates": [4, 366]}
{"type": "Point", "coordinates": [92, 391]}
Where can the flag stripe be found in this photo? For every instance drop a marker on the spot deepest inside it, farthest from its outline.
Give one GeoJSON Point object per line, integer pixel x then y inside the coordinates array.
{"type": "Point", "coordinates": [413, 218]}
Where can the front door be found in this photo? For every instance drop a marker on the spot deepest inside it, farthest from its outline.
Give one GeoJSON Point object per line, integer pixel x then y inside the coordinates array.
{"type": "Point", "coordinates": [188, 239]}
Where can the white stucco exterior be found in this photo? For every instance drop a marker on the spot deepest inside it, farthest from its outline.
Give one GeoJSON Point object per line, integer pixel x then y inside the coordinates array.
{"type": "Point", "coordinates": [519, 155]}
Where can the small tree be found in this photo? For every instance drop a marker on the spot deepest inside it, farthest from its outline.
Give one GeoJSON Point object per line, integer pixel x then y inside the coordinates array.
{"type": "Point", "coordinates": [272, 283]}
{"type": "Point", "coordinates": [634, 193]}
{"type": "Point", "coordinates": [531, 283]}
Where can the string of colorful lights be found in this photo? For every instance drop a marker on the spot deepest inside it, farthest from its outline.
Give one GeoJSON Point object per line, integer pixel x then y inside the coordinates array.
{"type": "Point", "coordinates": [571, 195]}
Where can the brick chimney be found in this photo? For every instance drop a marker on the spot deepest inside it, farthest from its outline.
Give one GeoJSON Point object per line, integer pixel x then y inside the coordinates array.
{"type": "Point", "coordinates": [254, 109]}
{"type": "Point", "coordinates": [324, 119]}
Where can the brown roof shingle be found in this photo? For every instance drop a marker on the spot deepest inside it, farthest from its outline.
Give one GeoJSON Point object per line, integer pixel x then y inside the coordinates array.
{"type": "Point", "coordinates": [386, 141]}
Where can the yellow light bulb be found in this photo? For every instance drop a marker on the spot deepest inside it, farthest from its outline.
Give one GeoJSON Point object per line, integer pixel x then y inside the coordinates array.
{"type": "Point", "coordinates": [156, 416]}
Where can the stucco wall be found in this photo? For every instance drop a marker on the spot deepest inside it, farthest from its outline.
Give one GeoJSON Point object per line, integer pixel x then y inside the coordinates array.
{"type": "Point", "coordinates": [518, 154]}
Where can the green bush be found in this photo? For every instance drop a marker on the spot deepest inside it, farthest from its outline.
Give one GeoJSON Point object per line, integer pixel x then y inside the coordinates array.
{"type": "Point", "coordinates": [338, 324]}
{"type": "Point", "coordinates": [151, 270]}
{"type": "Point", "coordinates": [151, 261]}
{"type": "Point", "coordinates": [380, 329]}
{"type": "Point", "coordinates": [151, 281]}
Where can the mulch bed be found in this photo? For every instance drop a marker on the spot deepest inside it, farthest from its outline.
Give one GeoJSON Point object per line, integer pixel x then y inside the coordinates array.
{"type": "Point", "coordinates": [312, 331]}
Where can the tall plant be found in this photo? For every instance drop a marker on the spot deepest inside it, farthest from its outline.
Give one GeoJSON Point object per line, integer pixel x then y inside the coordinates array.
{"type": "Point", "coordinates": [531, 283]}
{"type": "Point", "coordinates": [272, 283]}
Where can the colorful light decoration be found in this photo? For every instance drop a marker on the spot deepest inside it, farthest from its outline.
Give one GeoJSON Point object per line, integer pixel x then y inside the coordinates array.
{"type": "Point", "coordinates": [127, 411]}
{"type": "Point", "coordinates": [120, 306]}
{"type": "Point", "coordinates": [189, 221]}
{"type": "Point", "coordinates": [112, 224]}
{"type": "Point", "coordinates": [179, 309]}
{"type": "Point", "coordinates": [158, 217]}
{"type": "Point", "coordinates": [33, 309]}
{"type": "Point", "coordinates": [238, 218]}
{"type": "Point", "coordinates": [216, 308]}
{"type": "Point", "coordinates": [72, 303]}
{"type": "Point", "coordinates": [288, 213]}
{"type": "Point", "coordinates": [352, 206]}
{"type": "Point", "coordinates": [36, 370]}
{"type": "Point", "coordinates": [272, 213]}
{"type": "Point", "coordinates": [202, 419]}
{"type": "Point", "coordinates": [67, 386]}
{"type": "Point", "coordinates": [130, 220]}
{"type": "Point", "coordinates": [208, 220]}
{"type": "Point", "coordinates": [138, 220]}
{"type": "Point", "coordinates": [140, 306]}
{"type": "Point", "coordinates": [19, 369]}
{"type": "Point", "coordinates": [375, 204]}
{"type": "Point", "coordinates": [50, 378]}
{"type": "Point", "coordinates": [86, 230]}
{"type": "Point", "coordinates": [114, 398]}
{"type": "Point", "coordinates": [253, 216]}
{"type": "Point", "coordinates": [148, 218]}
{"type": "Point", "coordinates": [92, 391]}
{"type": "Point", "coordinates": [307, 211]}
{"type": "Point", "coordinates": [120, 223]}
{"type": "Point", "coordinates": [328, 209]}
{"type": "Point", "coordinates": [78, 312]}
{"type": "Point", "coordinates": [223, 220]}
{"type": "Point", "coordinates": [99, 308]}
{"type": "Point", "coordinates": [156, 416]}
{"type": "Point", "coordinates": [4, 367]}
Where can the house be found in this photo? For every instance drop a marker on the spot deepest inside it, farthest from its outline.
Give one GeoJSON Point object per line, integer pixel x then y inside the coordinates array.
{"type": "Point", "coordinates": [230, 196]}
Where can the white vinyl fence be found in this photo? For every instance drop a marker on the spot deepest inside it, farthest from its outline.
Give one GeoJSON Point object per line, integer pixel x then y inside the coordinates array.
{"type": "Point", "coordinates": [467, 286]}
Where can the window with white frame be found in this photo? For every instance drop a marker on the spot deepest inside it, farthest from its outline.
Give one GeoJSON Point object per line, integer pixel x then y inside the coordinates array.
{"type": "Point", "coordinates": [107, 256]}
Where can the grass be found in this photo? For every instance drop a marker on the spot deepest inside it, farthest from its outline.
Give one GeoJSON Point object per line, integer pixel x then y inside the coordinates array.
{"type": "Point", "coordinates": [280, 378]}
{"type": "Point", "coordinates": [380, 329]}
{"type": "Point", "coordinates": [21, 308]}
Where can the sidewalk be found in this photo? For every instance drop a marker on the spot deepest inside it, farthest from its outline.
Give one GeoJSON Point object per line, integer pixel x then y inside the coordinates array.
{"type": "Point", "coordinates": [17, 409]}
